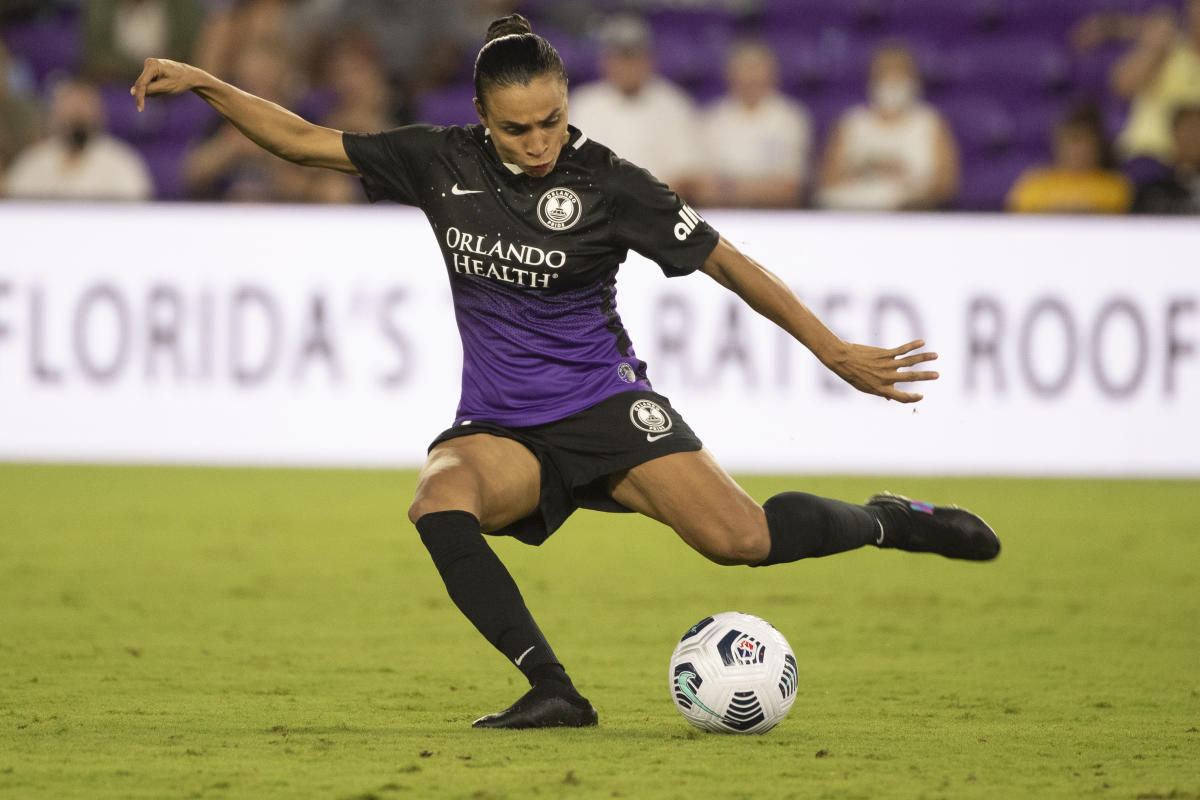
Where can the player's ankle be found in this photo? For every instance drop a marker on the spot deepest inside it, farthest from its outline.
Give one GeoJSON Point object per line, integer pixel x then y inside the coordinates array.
{"type": "Point", "coordinates": [549, 673]}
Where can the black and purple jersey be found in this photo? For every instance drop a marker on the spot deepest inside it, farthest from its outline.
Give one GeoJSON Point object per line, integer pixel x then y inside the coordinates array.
{"type": "Point", "coordinates": [533, 261]}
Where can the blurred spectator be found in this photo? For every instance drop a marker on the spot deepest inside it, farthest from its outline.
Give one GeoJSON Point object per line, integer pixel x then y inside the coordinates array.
{"type": "Point", "coordinates": [1178, 193]}
{"type": "Point", "coordinates": [641, 116]}
{"type": "Point", "coordinates": [756, 141]}
{"type": "Point", "coordinates": [1162, 71]}
{"type": "Point", "coordinates": [896, 152]}
{"type": "Point", "coordinates": [78, 161]}
{"type": "Point", "coordinates": [19, 119]}
{"type": "Point", "coordinates": [1082, 179]}
{"type": "Point", "coordinates": [120, 34]}
{"type": "Point", "coordinates": [354, 71]}
{"type": "Point", "coordinates": [362, 104]}
{"type": "Point", "coordinates": [422, 42]}
{"type": "Point", "coordinates": [240, 25]}
{"type": "Point", "coordinates": [227, 165]}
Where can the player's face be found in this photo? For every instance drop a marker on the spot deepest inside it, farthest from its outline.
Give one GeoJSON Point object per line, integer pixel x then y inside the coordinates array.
{"type": "Point", "coordinates": [528, 123]}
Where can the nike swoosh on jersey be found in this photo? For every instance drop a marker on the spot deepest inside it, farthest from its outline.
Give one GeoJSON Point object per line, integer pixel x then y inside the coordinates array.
{"type": "Point", "coordinates": [521, 657]}
{"type": "Point", "coordinates": [456, 190]}
{"type": "Point", "coordinates": [652, 438]}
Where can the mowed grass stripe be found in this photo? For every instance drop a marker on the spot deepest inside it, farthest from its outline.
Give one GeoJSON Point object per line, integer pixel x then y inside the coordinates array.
{"type": "Point", "coordinates": [170, 632]}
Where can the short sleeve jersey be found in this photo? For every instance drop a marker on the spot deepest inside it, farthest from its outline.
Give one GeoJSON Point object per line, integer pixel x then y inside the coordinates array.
{"type": "Point", "coordinates": [532, 262]}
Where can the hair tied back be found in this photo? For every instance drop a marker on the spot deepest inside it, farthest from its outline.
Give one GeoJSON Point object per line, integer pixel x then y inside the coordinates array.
{"type": "Point", "coordinates": [508, 26]}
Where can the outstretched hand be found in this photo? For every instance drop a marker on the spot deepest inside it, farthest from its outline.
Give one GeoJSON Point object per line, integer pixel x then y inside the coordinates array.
{"type": "Point", "coordinates": [162, 76]}
{"type": "Point", "coordinates": [875, 370]}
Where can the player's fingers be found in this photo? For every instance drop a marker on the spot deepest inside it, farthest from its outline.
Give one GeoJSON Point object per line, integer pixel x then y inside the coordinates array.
{"type": "Point", "coordinates": [150, 72]}
{"type": "Point", "coordinates": [902, 397]}
{"type": "Point", "coordinates": [905, 349]}
{"type": "Point", "coordinates": [913, 360]}
{"type": "Point", "coordinates": [909, 377]}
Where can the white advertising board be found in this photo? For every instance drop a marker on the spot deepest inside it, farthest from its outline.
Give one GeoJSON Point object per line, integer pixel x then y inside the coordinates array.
{"type": "Point", "coordinates": [268, 335]}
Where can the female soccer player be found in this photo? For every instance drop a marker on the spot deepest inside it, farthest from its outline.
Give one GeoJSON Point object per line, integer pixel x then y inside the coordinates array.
{"type": "Point", "coordinates": [556, 410]}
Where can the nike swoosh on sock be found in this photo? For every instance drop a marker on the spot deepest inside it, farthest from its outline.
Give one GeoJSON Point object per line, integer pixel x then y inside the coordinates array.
{"type": "Point", "coordinates": [521, 657]}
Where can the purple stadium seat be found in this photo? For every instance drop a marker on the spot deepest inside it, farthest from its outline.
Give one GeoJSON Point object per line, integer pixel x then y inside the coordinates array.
{"type": "Point", "coordinates": [981, 124]}
{"type": "Point", "coordinates": [691, 55]}
{"type": "Point", "coordinates": [50, 45]}
{"type": "Point", "coordinates": [985, 182]}
{"type": "Point", "coordinates": [827, 107]}
{"type": "Point", "coordinates": [449, 106]}
{"type": "Point", "coordinates": [1034, 121]}
{"type": "Point", "coordinates": [947, 20]}
{"type": "Point", "coordinates": [579, 55]}
{"type": "Point", "coordinates": [816, 15]}
{"type": "Point", "coordinates": [1053, 19]}
{"type": "Point", "coordinates": [165, 160]}
{"type": "Point", "coordinates": [123, 118]}
{"type": "Point", "coordinates": [1091, 70]}
{"type": "Point", "coordinates": [1026, 62]}
{"type": "Point", "coordinates": [188, 117]}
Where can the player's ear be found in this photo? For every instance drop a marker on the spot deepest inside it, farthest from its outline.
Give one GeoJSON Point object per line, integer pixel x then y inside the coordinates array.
{"type": "Point", "coordinates": [480, 112]}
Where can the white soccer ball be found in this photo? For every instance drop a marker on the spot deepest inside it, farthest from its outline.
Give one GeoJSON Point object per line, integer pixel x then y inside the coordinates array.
{"type": "Point", "coordinates": [733, 673]}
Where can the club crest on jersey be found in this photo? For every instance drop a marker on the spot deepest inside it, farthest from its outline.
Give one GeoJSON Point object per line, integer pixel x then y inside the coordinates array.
{"type": "Point", "coordinates": [649, 416]}
{"type": "Point", "coordinates": [625, 372]}
{"type": "Point", "coordinates": [559, 209]}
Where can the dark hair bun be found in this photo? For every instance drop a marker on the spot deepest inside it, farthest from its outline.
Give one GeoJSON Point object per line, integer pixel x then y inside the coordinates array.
{"type": "Point", "coordinates": [507, 26]}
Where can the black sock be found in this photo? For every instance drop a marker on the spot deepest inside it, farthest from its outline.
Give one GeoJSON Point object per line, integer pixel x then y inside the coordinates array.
{"type": "Point", "coordinates": [486, 594]}
{"type": "Point", "coordinates": [806, 526]}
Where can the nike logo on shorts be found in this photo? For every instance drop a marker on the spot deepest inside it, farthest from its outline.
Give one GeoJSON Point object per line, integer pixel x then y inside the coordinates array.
{"type": "Point", "coordinates": [653, 438]}
{"type": "Point", "coordinates": [457, 190]}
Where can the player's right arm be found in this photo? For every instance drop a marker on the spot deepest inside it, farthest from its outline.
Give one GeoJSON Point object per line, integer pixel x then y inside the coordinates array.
{"type": "Point", "coordinates": [267, 124]}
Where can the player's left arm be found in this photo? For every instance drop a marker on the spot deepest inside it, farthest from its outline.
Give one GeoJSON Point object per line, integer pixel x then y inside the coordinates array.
{"type": "Point", "coordinates": [873, 370]}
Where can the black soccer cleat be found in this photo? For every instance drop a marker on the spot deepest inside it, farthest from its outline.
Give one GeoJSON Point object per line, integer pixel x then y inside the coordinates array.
{"type": "Point", "coordinates": [949, 531]}
{"type": "Point", "coordinates": [549, 704]}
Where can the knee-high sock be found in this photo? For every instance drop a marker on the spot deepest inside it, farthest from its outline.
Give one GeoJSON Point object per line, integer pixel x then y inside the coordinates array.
{"type": "Point", "coordinates": [806, 526]}
{"type": "Point", "coordinates": [486, 594]}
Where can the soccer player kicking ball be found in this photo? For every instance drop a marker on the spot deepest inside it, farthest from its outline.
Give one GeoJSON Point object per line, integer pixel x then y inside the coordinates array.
{"type": "Point", "coordinates": [557, 412]}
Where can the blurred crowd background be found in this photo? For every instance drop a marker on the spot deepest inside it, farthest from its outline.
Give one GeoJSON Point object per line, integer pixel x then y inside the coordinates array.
{"type": "Point", "coordinates": [1067, 106]}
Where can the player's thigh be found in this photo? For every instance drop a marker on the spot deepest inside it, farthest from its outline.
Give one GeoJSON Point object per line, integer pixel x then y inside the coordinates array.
{"type": "Point", "coordinates": [695, 496]}
{"type": "Point", "coordinates": [496, 479]}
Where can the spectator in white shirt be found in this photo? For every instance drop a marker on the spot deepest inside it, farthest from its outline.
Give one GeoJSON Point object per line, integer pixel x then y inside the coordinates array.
{"type": "Point", "coordinates": [78, 160]}
{"type": "Point", "coordinates": [756, 141]}
{"type": "Point", "coordinates": [894, 153]}
{"type": "Point", "coordinates": [640, 115]}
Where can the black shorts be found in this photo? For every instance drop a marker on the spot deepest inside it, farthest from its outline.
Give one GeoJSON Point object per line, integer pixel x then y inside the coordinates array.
{"type": "Point", "coordinates": [578, 454]}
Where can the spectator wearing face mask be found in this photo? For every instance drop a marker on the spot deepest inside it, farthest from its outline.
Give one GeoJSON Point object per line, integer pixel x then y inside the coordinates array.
{"type": "Point", "coordinates": [896, 152]}
{"type": "Point", "coordinates": [78, 161]}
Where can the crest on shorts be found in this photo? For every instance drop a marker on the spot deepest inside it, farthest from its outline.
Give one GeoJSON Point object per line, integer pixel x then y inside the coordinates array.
{"type": "Point", "coordinates": [649, 416]}
{"type": "Point", "coordinates": [625, 372]}
{"type": "Point", "coordinates": [559, 209]}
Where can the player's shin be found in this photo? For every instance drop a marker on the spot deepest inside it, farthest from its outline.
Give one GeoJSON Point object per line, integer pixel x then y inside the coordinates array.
{"type": "Point", "coordinates": [802, 525]}
{"type": "Point", "coordinates": [482, 588]}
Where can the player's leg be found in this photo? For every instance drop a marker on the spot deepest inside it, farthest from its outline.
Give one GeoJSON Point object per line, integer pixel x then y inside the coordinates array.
{"type": "Point", "coordinates": [692, 494]}
{"type": "Point", "coordinates": [484, 482]}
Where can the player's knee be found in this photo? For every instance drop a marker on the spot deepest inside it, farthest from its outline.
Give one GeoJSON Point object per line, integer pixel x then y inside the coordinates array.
{"type": "Point", "coordinates": [419, 508]}
{"type": "Point", "coordinates": [738, 545]}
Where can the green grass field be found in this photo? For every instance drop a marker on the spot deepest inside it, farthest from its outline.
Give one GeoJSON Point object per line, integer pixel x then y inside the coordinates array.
{"type": "Point", "coordinates": [241, 633]}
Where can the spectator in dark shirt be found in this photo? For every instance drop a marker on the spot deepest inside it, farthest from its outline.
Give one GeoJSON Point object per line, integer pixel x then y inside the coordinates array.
{"type": "Point", "coordinates": [1179, 191]}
